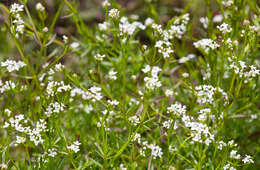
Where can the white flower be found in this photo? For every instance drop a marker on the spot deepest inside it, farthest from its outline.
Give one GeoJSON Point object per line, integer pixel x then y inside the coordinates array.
{"type": "Point", "coordinates": [65, 39]}
{"type": "Point", "coordinates": [52, 152]}
{"type": "Point", "coordinates": [112, 75]}
{"type": "Point", "coordinates": [247, 159]}
{"type": "Point", "coordinates": [172, 149]}
{"type": "Point", "coordinates": [15, 8]}
{"type": "Point", "coordinates": [204, 21]}
{"type": "Point", "coordinates": [233, 154]}
{"type": "Point", "coordinates": [227, 3]}
{"type": "Point", "coordinates": [134, 119]}
{"type": "Point", "coordinates": [168, 92]}
{"type": "Point", "coordinates": [218, 18]}
{"type": "Point", "coordinates": [205, 94]}
{"type": "Point", "coordinates": [206, 44]}
{"type": "Point", "coordinates": [203, 113]}
{"type": "Point", "coordinates": [39, 7]}
{"type": "Point", "coordinates": [148, 21]}
{"type": "Point", "coordinates": [59, 67]}
{"type": "Point", "coordinates": [45, 29]}
{"type": "Point", "coordinates": [99, 57]}
{"type": "Point", "coordinates": [146, 69]}
{"type": "Point", "coordinates": [54, 108]}
{"type": "Point", "coordinates": [106, 3]}
{"type": "Point", "coordinates": [164, 48]}
{"type": "Point", "coordinates": [114, 13]}
{"type": "Point", "coordinates": [122, 167]}
{"type": "Point", "coordinates": [221, 144]}
{"type": "Point", "coordinates": [179, 26]}
{"type": "Point", "coordinates": [137, 138]}
{"type": "Point", "coordinates": [103, 26]}
{"type": "Point", "coordinates": [12, 65]}
{"type": "Point", "coordinates": [18, 24]}
{"type": "Point", "coordinates": [113, 102]}
{"type": "Point", "coordinates": [177, 109]}
{"type": "Point", "coordinates": [20, 139]}
{"type": "Point", "coordinates": [187, 58]}
{"type": "Point", "coordinates": [156, 151]}
{"type": "Point", "coordinates": [88, 109]}
{"type": "Point", "coordinates": [167, 124]}
{"type": "Point", "coordinates": [74, 45]}
{"type": "Point", "coordinates": [75, 146]}
{"type": "Point", "coordinates": [224, 28]}
{"type": "Point", "coordinates": [129, 28]}
{"type": "Point", "coordinates": [153, 81]}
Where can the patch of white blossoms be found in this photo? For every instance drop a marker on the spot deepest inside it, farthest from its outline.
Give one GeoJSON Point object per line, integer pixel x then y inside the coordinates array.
{"type": "Point", "coordinates": [18, 23]}
{"type": "Point", "coordinates": [129, 28]}
{"type": "Point", "coordinates": [99, 57]}
{"type": "Point", "coordinates": [134, 120]}
{"type": "Point", "coordinates": [242, 69]}
{"type": "Point", "coordinates": [75, 146]}
{"type": "Point", "coordinates": [12, 65]}
{"type": "Point", "coordinates": [152, 81]}
{"type": "Point", "coordinates": [177, 109]}
{"type": "Point", "coordinates": [8, 85]}
{"type": "Point", "coordinates": [54, 108]}
{"type": "Point", "coordinates": [224, 28]}
{"type": "Point", "coordinates": [18, 123]}
{"type": "Point", "coordinates": [179, 26]}
{"type": "Point", "coordinates": [112, 75]}
{"type": "Point", "coordinates": [205, 94]}
{"type": "Point", "coordinates": [114, 13]}
{"type": "Point", "coordinates": [206, 44]}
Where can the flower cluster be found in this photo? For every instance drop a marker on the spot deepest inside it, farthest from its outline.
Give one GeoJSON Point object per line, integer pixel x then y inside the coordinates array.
{"type": "Point", "coordinates": [243, 70]}
{"type": "Point", "coordinates": [114, 13]}
{"type": "Point", "coordinates": [179, 26]}
{"type": "Point", "coordinates": [206, 44]}
{"type": "Point", "coordinates": [18, 123]}
{"type": "Point", "coordinates": [18, 23]}
{"type": "Point", "coordinates": [54, 108]}
{"type": "Point", "coordinates": [205, 94]}
{"type": "Point", "coordinates": [12, 65]}
{"type": "Point", "coordinates": [224, 28]}
{"type": "Point", "coordinates": [152, 82]}
{"type": "Point", "coordinates": [129, 28]}
{"type": "Point", "coordinates": [75, 146]}
{"type": "Point", "coordinates": [177, 109]}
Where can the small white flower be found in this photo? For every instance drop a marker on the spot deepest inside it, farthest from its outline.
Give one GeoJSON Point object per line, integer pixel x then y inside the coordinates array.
{"type": "Point", "coordinates": [218, 18]}
{"type": "Point", "coordinates": [167, 124]}
{"type": "Point", "coordinates": [204, 21]}
{"type": "Point", "coordinates": [224, 28]}
{"type": "Point", "coordinates": [99, 57]}
{"type": "Point", "coordinates": [113, 102]}
{"type": "Point", "coordinates": [45, 29]}
{"type": "Point", "coordinates": [247, 159]}
{"type": "Point", "coordinates": [12, 65]}
{"type": "Point", "coordinates": [74, 45]}
{"type": "Point", "coordinates": [206, 44]}
{"type": "Point", "coordinates": [75, 146]}
{"type": "Point", "coordinates": [112, 75]}
{"type": "Point", "coordinates": [168, 93]}
{"type": "Point", "coordinates": [20, 139]}
{"type": "Point", "coordinates": [148, 21]}
{"type": "Point", "coordinates": [134, 119]}
{"type": "Point", "coordinates": [106, 3]}
{"type": "Point", "coordinates": [39, 7]}
{"type": "Point", "coordinates": [65, 39]}
{"type": "Point", "coordinates": [88, 109]}
{"type": "Point", "coordinates": [15, 8]}
{"type": "Point", "coordinates": [114, 13]}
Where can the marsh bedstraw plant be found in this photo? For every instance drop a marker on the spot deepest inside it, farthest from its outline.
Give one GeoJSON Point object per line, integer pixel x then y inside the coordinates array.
{"type": "Point", "coordinates": [105, 98]}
